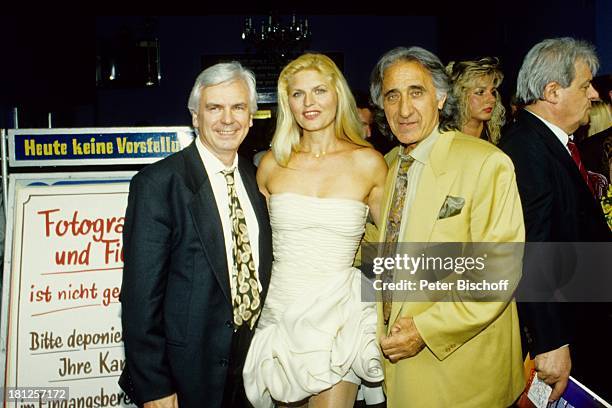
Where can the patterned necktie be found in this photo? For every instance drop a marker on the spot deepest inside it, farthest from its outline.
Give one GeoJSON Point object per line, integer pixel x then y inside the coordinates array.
{"type": "Point", "coordinates": [245, 288]}
{"type": "Point", "coordinates": [576, 156]}
{"type": "Point", "coordinates": [394, 221]}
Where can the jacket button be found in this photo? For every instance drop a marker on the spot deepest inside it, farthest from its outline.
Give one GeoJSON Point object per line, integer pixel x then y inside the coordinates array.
{"type": "Point", "coordinates": [223, 362]}
{"type": "Point", "coordinates": [229, 324]}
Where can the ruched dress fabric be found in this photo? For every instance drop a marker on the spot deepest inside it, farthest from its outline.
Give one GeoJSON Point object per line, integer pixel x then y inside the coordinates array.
{"type": "Point", "coordinates": [314, 330]}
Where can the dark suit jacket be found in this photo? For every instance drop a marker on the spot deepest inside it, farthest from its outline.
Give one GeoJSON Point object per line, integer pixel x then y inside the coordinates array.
{"type": "Point", "coordinates": [596, 152]}
{"type": "Point", "coordinates": [557, 204]}
{"type": "Point", "coordinates": [175, 296]}
{"type": "Point", "coordinates": [558, 207]}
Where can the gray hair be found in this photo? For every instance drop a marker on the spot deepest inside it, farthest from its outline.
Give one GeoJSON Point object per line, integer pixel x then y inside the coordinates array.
{"type": "Point", "coordinates": [417, 54]}
{"type": "Point", "coordinates": [552, 60]}
{"type": "Point", "coordinates": [219, 73]}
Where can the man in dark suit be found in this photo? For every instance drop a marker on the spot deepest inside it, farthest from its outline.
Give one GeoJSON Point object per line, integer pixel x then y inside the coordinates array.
{"type": "Point", "coordinates": [195, 276]}
{"type": "Point", "coordinates": [554, 83]}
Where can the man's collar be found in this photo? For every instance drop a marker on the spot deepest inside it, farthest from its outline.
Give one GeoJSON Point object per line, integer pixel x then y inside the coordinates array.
{"type": "Point", "coordinates": [212, 162]}
{"type": "Point", "coordinates": [423, 149]}
{"type": "Point", "coordinates": [560, 133]}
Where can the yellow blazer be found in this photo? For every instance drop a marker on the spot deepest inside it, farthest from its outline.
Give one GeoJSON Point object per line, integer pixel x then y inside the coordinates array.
{"type": "Point", "coordinates": [473, 353]}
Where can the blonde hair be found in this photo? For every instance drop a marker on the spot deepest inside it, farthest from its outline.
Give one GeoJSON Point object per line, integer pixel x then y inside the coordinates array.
{"type": "Point", "coordinates": [600, 117]}
{"type": "Point", "coordinates": [347, 123]}
{"type": "Point", "coordinates": [463, 74]}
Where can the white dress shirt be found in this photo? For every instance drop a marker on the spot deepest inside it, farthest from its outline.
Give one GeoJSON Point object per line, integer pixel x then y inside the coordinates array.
{"type": "Point", "coordinates": [214, 168]}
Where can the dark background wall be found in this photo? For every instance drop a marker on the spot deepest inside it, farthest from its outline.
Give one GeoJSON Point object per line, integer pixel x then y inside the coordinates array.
{"type": "Point", "coordinates": [48, 64]}
{"type": "Point", "coordinates": [184, 40]}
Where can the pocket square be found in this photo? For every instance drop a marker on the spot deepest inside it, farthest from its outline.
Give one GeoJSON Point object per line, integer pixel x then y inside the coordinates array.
{"type": "Point", "coordinates": [451, 207]}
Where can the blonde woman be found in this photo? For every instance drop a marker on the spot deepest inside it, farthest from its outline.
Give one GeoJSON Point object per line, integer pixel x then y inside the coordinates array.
{"type": "Point", "coordinates": [473, 105]}
{"type": "Point", "coordinates": [600, 117]}
{"type": "Point", "coordinates": [316, 338]}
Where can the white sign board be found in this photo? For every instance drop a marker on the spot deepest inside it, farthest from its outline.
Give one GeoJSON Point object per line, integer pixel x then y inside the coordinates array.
{"type": "Point", "coordinates": [64, 327]}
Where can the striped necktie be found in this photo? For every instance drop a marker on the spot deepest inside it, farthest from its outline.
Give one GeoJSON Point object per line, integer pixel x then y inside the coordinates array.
{"type": "Point", "coordinates": [576, 156]}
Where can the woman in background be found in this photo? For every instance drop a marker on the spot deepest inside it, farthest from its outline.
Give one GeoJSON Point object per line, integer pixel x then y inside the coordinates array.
{"type": "Point", "coordinates": [473, 105]}
{"type": "Point", "coordinates": [316, 338]}
{"type": "Point", "coordinates": [600, 117]}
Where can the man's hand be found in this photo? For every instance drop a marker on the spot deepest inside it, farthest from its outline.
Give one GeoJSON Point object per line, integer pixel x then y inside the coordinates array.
{"type": "Point", "coordinates": [553, 368]}
{"type": "Point", "coordinates": [167, 402]}
{"type": "Point", "coordinates": [403, 342]}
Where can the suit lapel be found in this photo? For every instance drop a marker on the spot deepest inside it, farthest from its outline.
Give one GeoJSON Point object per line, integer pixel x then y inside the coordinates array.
{"type": "Point", "coordinates": [205, 213]}
{"type": "Point", "coordinates": [430, 197]}
{"type": "Point", "coordinates": [434, 185]}
{"type": "Point", "coordinates": [556, 148]}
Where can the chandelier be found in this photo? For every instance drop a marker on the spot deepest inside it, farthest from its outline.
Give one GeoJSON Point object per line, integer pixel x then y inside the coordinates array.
{"type": "Point", "coordinates": [275, 38]}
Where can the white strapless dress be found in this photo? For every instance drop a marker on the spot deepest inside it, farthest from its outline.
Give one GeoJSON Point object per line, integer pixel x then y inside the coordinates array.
{"type": "Point", "coordinates": [314, 329]}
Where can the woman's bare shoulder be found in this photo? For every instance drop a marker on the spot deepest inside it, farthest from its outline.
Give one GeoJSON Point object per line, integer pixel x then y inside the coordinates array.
{"type": "Point", "coordinates": [266, 166]}
{"type": "Point", "coordinates": [369, 158]}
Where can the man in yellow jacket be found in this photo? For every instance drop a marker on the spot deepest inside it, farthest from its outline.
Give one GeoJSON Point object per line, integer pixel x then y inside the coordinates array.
{"type": "Point", "coordinates": [456, 188]}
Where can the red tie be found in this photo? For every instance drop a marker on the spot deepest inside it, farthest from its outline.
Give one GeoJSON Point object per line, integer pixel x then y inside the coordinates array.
{"type": "Point", "coordinates": [576, 156]}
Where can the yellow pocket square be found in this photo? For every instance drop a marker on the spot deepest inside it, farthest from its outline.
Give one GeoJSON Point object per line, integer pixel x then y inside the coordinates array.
{"type": "Point", "coordinates": [452, 206]}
